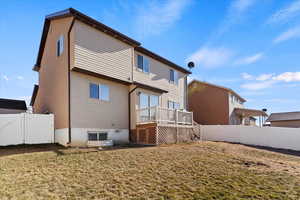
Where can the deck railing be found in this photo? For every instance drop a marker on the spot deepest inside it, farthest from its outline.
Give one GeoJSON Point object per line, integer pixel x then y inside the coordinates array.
{"type": "Point", "coordinates": [164, 116]}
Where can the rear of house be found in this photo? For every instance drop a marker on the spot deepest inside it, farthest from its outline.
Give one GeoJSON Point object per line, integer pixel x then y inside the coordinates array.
{"type": "Point", "coordinates": [101, 84]}
{"type": "Point", "coordinates": [218, 105]}
{"type": "Point", "coordinates": [285, 119]}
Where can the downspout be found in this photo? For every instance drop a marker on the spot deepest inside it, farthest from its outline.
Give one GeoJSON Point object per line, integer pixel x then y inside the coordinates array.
{"type": "Point", "coordinates": [69, 79]}
{"type": "Point", "coordinates": [129, 111]}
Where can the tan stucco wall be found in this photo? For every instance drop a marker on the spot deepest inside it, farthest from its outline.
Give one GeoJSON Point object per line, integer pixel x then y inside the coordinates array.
{"type": "Point", "coordinates": [291, 124]}
{"type": "Point", "coordinates": [159, 77]}
{"type": "Point", "coordinates": [52, 95]}
{"type": "Point", "coordinates": [209, 104]}
{"type": "Point", "coordinates": [100, 53]}
{"type": "Point", "coordinates": [94, 113]}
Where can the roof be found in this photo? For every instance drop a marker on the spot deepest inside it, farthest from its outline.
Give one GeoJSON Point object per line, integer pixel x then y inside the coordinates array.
{"type": "Point", "coordinates": [249, 112]}
{"type": "Point", "coordinates": [284, 116]}
{"type": "Point", "coordinates": [220, 87]}
{"type": "Point", "coordinates": [71, 12]}
{"type": "Point", "coordinates": [13, 104]}
{"type": "Point", "coordinates": [148, 87]}
{"type": "Point", "coordinates": [34, 93]}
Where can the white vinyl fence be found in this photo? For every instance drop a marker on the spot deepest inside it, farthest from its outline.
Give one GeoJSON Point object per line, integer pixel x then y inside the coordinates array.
{"type": "Point", "coordinates": [284, 138]}
{"type": "Point", "coordinates": [26, 128]}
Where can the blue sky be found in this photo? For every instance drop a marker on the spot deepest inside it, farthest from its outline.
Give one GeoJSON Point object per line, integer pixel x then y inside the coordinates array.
{"type": "Point", "coordinates": [251, 46]}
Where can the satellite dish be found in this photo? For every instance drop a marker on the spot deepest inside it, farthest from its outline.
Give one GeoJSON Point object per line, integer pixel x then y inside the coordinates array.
{"type": "Point", "coordinates": [264, 109]}
{"type": "Point", "coordinates": [191, 65]}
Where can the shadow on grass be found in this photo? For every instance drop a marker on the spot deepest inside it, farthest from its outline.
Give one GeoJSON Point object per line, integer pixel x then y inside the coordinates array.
{"type": "Point", "coordinates": [29, 148]}
{"type": "Point", "coordinates": [276, 150]}
{"type": "Point", "coordinates": [60, 150]}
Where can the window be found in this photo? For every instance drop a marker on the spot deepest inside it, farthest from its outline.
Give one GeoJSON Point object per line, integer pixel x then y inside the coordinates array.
{"type": "Point", "coordinates": [143, 64]}
{"type": "Point", "coordinates": [94, 136]}
{"type": "Point", "coordinates": [173, 105]}
{"type": "Point", "coordinates": [173, 76]}
{"type": "Point", "coordinates": [60, 46]}
{"type": "Point", "coordinates": [104, 92]}
{"type": "Point", "coordinates": [94, 91]}
{"type": "Point", "coordinates": [99, 91]}
{"type": "Point", "coordinates": [147, 100]}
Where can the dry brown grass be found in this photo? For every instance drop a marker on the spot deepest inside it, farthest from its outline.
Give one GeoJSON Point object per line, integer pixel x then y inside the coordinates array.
{"type": "Point", "coordinates": [191, 171]}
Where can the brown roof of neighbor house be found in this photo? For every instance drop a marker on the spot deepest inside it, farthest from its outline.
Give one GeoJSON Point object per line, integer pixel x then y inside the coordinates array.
{"type": "Point", "coordinates": [98, 25]}
{"type": "Point", "coordinates": [218, 86]}
{"type": "Point", "coordinates": [249, 112]}
{"type": "Point", "coordinates": [34, 93]}
{"type": "Point", "coordinates": [284, 116]}
{"type": "Point", "coordinates": [13, 104]}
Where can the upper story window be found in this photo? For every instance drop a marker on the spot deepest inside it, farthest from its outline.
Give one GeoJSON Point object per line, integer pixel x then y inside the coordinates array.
{"type": "Point", "coordinates": [173, 76]}
{"type": "Point", "coordinates": [60, 46]}
{"type": "Point", "coordinates": [99, 91]}
{"type": "Point", "coordinates": [143, 63]}
{"type": "Point", "coordinates": [173, 105]}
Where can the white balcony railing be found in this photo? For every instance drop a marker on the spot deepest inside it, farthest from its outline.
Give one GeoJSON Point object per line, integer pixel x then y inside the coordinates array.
{"type": "Point", "coordinates": [161, 115]}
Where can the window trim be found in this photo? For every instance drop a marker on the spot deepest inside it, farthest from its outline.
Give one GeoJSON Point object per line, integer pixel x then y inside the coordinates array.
{"type": "Point", "coordinates": [143, 67]}
{"type": "Point", "coordinates": [98, 135]}
{"type": "Point", "coordinates": [60, 46]}
{"type": "Point", "coordinates": [99, 91]}
{"type": "Point", "coordinates": [175, 77]}
{"type": "Point", "coordinates": [173, 103]}
{"type": "Point", "coordinates": [149, 99]}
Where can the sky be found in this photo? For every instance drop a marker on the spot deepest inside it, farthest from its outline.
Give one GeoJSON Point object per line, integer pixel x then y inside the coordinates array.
{"type": "Point", "coordinates": [250, 46]}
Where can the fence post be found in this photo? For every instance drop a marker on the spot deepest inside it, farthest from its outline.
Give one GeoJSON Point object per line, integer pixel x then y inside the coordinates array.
{"type": "Point", "coordinates": [176, 111]}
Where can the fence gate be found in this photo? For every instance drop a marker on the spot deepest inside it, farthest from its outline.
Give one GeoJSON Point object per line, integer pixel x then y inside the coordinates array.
{"type": "Point", "coordinates": [26, 128]}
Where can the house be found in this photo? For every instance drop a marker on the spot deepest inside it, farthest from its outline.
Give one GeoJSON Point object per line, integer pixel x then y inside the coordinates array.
{"type": "Point", "coordinates": [11, 106]}
{"type": "Point", "coordinates": [217, 105]}
{"type": "Point", "coordinates": [285, 119]}
{"type": "Point", "coordinates": [102, 85]}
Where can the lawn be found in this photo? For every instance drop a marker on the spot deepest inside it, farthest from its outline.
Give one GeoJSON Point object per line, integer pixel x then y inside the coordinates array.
{"type": "Point", "coordinates": [206, 170]}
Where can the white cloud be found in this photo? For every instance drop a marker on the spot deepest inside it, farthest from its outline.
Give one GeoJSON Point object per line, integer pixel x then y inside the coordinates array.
{"type": "Point", "coordinates": [258, 85]}
{"type": "Point", "coordinates": [264, 77]}
{"type": "Point", "coordinates": [286, 13]}
{"type": "Point", "coordinates": [250, 59]}
{"type": "Point", "coordinates": [211, 57]}
{"type": "Point", "coordinates": [288, 77]}
{"type": "Point", "coordinates": [234, 14]}
{"type": "Point", "coordinates": [247, 76]}
{"type": "Point", "coordinates": [288, 35]}
{"type": "Point", "coordinates": [4, 77]}
{"type": "Point", "coordinates": [20, 77]}
{"type": "Point", "coordinates": [264, 81]}
{"type": "Point", "coordinates": [158, 16]}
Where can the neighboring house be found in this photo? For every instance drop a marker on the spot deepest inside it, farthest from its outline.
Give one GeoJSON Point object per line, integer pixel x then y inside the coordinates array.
{"type": "Point", "coordinates": [285, 119]}
{"type": "Point", "coordinates": [101, 84]}
{"type": "Point", "coordinates": [11, 106]}
{"type": "Point", "coordinates": [217, 105]}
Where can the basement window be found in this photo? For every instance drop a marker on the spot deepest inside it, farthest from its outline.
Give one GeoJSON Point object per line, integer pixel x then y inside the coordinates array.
{"type": "Point", "coordinates": [97, 136]}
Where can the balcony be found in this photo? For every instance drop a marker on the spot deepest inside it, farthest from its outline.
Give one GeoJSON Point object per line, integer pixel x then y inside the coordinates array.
{"type": "Point", "coordinates": [164, 116]}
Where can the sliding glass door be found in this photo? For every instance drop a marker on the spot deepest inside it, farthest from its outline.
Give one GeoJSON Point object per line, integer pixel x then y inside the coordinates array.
{"type": "Point", "coordinates": [147, 106]}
